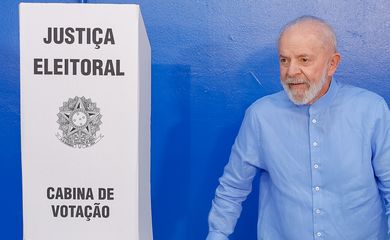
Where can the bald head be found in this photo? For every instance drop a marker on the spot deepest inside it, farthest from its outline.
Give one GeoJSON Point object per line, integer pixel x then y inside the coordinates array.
{"type": "Point", "coordinates": [314, 26]}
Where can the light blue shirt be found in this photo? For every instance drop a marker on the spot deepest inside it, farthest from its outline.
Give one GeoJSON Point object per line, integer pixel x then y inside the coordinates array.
{"type": "Point", "coordinates": [324, 168]}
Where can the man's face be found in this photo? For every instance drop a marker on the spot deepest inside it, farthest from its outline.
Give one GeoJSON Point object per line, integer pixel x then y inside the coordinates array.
{"type": "Point", "coordinates": [304, 63]}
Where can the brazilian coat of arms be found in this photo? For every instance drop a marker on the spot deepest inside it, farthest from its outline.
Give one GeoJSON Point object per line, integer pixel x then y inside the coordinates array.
{"type": "Point", "coordinates": [79, 119]}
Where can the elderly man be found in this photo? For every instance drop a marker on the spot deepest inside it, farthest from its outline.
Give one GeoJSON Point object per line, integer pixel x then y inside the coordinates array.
{"type": "Point", "coordinates": [322, 149]}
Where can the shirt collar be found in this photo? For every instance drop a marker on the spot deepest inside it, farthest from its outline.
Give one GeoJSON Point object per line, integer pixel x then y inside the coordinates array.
{"type": "Point", "coordinates": [326, 100]}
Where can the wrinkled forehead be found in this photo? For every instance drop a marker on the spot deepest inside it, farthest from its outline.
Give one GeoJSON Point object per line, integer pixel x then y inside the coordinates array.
{"type": "Point", "coordinates": [309, 30]}
{"type": "Point", "coordinates": [299, 44]}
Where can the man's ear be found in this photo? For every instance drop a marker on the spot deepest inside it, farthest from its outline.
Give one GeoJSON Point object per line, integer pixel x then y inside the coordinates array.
{"type": "Point", "coordinates": [334, 63]}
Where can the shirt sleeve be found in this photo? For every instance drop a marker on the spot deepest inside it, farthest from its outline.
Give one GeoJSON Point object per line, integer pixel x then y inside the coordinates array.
{"type": "Point", "coordinates": [381, 152]}
{"type": "Point", "coordinates": [236, 181]}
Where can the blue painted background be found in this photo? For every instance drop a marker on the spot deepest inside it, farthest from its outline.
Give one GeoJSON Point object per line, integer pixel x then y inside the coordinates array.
{"type": "Point", "coordinates": [211, 59]}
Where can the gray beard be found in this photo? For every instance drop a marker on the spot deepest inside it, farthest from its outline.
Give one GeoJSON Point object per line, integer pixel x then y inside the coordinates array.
{"type": "Point", "coordinates": [309, 95]}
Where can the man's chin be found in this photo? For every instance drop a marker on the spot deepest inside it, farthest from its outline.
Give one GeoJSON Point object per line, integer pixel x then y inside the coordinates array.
{"type": "Point", "coordinates": [298, 99]}
{"type": "Point", "coordinates": [299, 94]}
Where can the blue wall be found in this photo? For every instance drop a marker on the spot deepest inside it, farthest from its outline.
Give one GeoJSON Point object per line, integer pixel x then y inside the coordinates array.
{"type": "Point", "coordinates": [211, 59]}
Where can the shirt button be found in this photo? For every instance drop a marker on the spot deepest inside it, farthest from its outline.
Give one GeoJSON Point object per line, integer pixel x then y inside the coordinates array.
{"type": "Point", "coordinates": [318, 211]}
{"type": "Point", "coordinates": [318, 234]}
{"type": "Point", "coordinates": [317, 189]}
{"type": "Point", "coordinates": [316, 166]}
{"type": "Point", "coordinates": [315, 144]}
{"type": "Point", "coordinates": [314, 120]}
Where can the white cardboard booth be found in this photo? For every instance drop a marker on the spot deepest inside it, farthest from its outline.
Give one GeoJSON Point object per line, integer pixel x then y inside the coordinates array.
{"type": "Point", "coordinates": [85, 74]}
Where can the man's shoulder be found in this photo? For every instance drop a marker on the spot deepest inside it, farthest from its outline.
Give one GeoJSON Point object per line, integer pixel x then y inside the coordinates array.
{"type": "Point", "coordinates": [271, 101]}
{"type": "Point", "coordinates": [269, 106]}
{"type": "Point", "coordinates": [354, 94]}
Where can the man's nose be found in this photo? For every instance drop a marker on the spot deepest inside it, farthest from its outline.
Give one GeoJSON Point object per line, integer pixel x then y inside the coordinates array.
{"type": "Point", "coordinates": [293, 69]}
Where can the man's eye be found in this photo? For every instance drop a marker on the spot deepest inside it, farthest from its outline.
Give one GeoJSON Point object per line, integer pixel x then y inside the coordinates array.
{"type": "Point", "coordinates": [283, 60]}
{"type": "Point", "coordinates": [304, 60]}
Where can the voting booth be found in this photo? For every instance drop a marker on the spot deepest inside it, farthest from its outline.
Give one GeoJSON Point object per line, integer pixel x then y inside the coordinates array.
{"type": "Point", "coordinates": [85, 74]}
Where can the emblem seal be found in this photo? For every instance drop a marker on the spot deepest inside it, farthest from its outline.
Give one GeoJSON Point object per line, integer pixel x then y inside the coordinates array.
{"type": "Point", "coordinates": [79, 121]}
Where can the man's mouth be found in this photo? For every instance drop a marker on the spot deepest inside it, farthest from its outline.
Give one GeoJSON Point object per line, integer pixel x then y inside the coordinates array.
{"type": "Point", "coordinates": [296, 84]}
